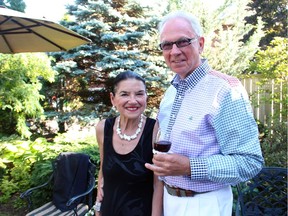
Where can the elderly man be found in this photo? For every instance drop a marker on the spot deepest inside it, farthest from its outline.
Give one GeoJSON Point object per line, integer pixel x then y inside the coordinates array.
{"type": "Point", "coordinates": [207, 117]}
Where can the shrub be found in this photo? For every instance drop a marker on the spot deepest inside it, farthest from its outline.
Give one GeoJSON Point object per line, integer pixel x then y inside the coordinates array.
{"type": "Point", "coordinates": [25, 163]}
{"type": "Point", "coordinates": [274, 144]}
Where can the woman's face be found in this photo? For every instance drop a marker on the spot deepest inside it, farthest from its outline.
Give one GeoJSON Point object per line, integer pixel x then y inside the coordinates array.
{"type": "Point", "coordinates": [130, 98]}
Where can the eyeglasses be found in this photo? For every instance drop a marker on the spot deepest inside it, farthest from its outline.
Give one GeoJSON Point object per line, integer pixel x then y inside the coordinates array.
{"type": "Point", "coordinates": [179, 43]}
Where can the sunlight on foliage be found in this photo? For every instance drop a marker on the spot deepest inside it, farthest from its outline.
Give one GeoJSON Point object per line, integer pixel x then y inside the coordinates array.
{"type": "Point", "coordinates": [20, 82]}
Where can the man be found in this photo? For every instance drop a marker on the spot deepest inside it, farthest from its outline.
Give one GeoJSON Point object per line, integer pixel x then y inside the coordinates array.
{"type": "Point", "coordinates": [207, 117]}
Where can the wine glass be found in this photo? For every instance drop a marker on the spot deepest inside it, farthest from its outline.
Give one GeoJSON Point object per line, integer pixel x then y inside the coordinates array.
{"type": "Point", "coordinates": [161, 144]}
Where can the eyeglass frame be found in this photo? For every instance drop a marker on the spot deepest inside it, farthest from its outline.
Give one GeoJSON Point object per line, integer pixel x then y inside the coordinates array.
{"type": "Point", "coordinates": [189, 40]}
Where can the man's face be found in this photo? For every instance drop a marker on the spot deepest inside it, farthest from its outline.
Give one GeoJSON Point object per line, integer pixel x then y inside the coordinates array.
{"type": "Point", "coordinates": [183, 60]}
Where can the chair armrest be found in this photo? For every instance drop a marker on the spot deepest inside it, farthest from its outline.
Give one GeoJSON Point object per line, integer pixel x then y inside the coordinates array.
{"type": "Point", "coordinates": [72, 200]}
{"type": "Point", "coordinates": [29, 191]}
{"type": "Point", "coordinates": [27, 194]}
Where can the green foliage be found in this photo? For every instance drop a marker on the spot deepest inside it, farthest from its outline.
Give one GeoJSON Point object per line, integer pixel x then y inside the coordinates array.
{"type": "Point", "coordinates": [18, 5]}
{"type": "Point", "coordinates": [26, 163]}
{"type": "Point", "coordinates": [224, 31]}
{"type": "Point", "coordinates": [20, 76]}
{"type": "Point", "coordinates": [226, 48]}
{"type": "Point", "coordinates": [274, 145]}
{"type": "Point", "coordinates": [272, 64]}
{"type": "Point", "coordinates": [123, 37]}
{"type": "Point", "coordinates": [274, 16]}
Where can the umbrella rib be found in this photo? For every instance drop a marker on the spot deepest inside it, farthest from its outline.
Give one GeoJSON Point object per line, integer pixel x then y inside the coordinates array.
{"type": "Point", "coordinates": [46, 39]}
{"type": "Point", "coordinates": [36, 24]}
{"type": "Point", "coordinates": [10, 49]}
{"type": "Point", "coordinates": [10, 31]}
{"type": "Point", "coordinates": [56, 29]}
{"type": "Point", "coordinates": [28, 28]}
{"type": "Point", "coordinates": [5, 20]}
{"type": "Point", "coordinates": [31, 31]}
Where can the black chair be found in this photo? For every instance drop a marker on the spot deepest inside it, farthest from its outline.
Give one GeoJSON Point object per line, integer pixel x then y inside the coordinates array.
{"type": "Point", "coordinates": [265, 194]}
{"type": "Point", "coordinates": [73, 181]}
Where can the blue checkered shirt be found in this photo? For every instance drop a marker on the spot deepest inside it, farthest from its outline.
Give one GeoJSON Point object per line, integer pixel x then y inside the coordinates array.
{"type": "Point", "coordinates": [208, 118]}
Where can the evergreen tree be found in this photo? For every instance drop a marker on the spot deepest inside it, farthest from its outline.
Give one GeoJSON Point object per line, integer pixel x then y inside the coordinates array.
{"type": "Point", "coordinates": [274, 15]}
{"type": "Point", "coordinates": [18, 5]}
{"type": "Point", "coordinates": [123, 35]}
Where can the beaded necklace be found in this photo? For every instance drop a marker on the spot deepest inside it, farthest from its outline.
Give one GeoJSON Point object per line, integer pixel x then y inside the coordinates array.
{"type": "Point", "coordinates": [126, 137]}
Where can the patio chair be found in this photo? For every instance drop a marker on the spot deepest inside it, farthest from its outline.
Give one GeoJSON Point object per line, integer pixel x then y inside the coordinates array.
{"type": "Point", "coordinates": [265, 194]}
{"type": "Point", "coordinates": [73, 181]}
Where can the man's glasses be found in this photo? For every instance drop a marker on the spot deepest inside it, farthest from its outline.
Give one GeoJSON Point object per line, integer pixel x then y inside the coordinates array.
{"type": "Point", "coordinates": [179, 43]}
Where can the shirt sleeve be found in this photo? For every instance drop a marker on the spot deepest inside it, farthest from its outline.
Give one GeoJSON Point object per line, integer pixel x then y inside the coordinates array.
{"type": "Point", "coordinates": [240, 156]}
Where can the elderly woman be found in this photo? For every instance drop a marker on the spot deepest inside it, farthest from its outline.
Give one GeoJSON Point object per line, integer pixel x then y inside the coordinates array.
{"type": "Point", "coordinates": [125, 186]}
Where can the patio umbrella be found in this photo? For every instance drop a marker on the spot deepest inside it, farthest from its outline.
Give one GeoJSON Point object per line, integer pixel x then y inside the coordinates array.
{"type": "Point", "coordinates": [22, 33]}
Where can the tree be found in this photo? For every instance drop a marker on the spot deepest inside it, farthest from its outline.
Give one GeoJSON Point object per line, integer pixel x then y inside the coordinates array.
{"type": "Point", "coordinates": [20, 85]}
{"type": "Point", "coordinates": [18, 5]}
{"type": "Point", "coordinates": [274, 15]}
{"type": "Point", "coordinates": [272, 64]}
{"type": "Point", "coordinates": [123, 38]}
{"type": "Point", "coordinates": [20, 76]}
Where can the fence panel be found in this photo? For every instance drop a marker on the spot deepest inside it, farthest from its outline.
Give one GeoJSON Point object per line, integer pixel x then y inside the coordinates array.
{"type": "Point", "coordinates": [264, 109]}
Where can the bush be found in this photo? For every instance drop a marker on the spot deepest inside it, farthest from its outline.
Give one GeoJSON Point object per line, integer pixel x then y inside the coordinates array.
{"type": "Point", "coordinates": [25, 163]}
{"type": "Point", "coordinates": [274, 144]}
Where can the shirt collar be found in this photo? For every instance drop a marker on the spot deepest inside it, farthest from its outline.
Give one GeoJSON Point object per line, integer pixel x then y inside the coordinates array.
{"type": "Point", "coordinates": [192, 79]}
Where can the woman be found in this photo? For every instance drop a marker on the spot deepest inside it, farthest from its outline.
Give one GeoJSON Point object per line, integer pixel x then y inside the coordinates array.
{"type": "Point", "coordinates": [125, 186]}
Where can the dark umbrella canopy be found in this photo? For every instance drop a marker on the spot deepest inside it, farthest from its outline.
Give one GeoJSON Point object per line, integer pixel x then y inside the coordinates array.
{"type": "Point", "coordinates": [22, 33]}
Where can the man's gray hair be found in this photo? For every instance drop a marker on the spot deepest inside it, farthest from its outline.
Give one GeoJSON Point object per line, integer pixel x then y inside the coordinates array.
{"type": "Point", "coordinates": [194, 22]}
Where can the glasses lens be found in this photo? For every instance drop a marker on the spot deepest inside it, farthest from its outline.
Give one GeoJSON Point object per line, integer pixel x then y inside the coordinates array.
{"type": "Point", "coordinates": [182, 43]}
{"type": "Point", "coordinates": [166, 45]}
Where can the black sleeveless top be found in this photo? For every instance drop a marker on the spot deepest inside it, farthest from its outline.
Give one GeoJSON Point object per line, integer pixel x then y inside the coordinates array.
{"type": "Point", "coordinates": [128, 185]}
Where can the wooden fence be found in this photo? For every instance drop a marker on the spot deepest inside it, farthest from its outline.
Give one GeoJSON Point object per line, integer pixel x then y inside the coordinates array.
{"type": "Point", "coordinates": [264, 109]}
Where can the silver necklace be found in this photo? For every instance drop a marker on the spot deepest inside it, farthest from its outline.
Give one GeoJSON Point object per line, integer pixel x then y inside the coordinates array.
{"type": "Point", "coordinates": [126, 137]}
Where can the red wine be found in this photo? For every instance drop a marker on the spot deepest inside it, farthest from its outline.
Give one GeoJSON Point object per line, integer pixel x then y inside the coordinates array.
{"type": "Point", "coordinates": [162, 146]}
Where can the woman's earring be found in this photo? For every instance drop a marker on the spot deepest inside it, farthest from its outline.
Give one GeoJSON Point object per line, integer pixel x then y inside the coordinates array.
{"type": "Point", "coordinates": [114, 109]}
